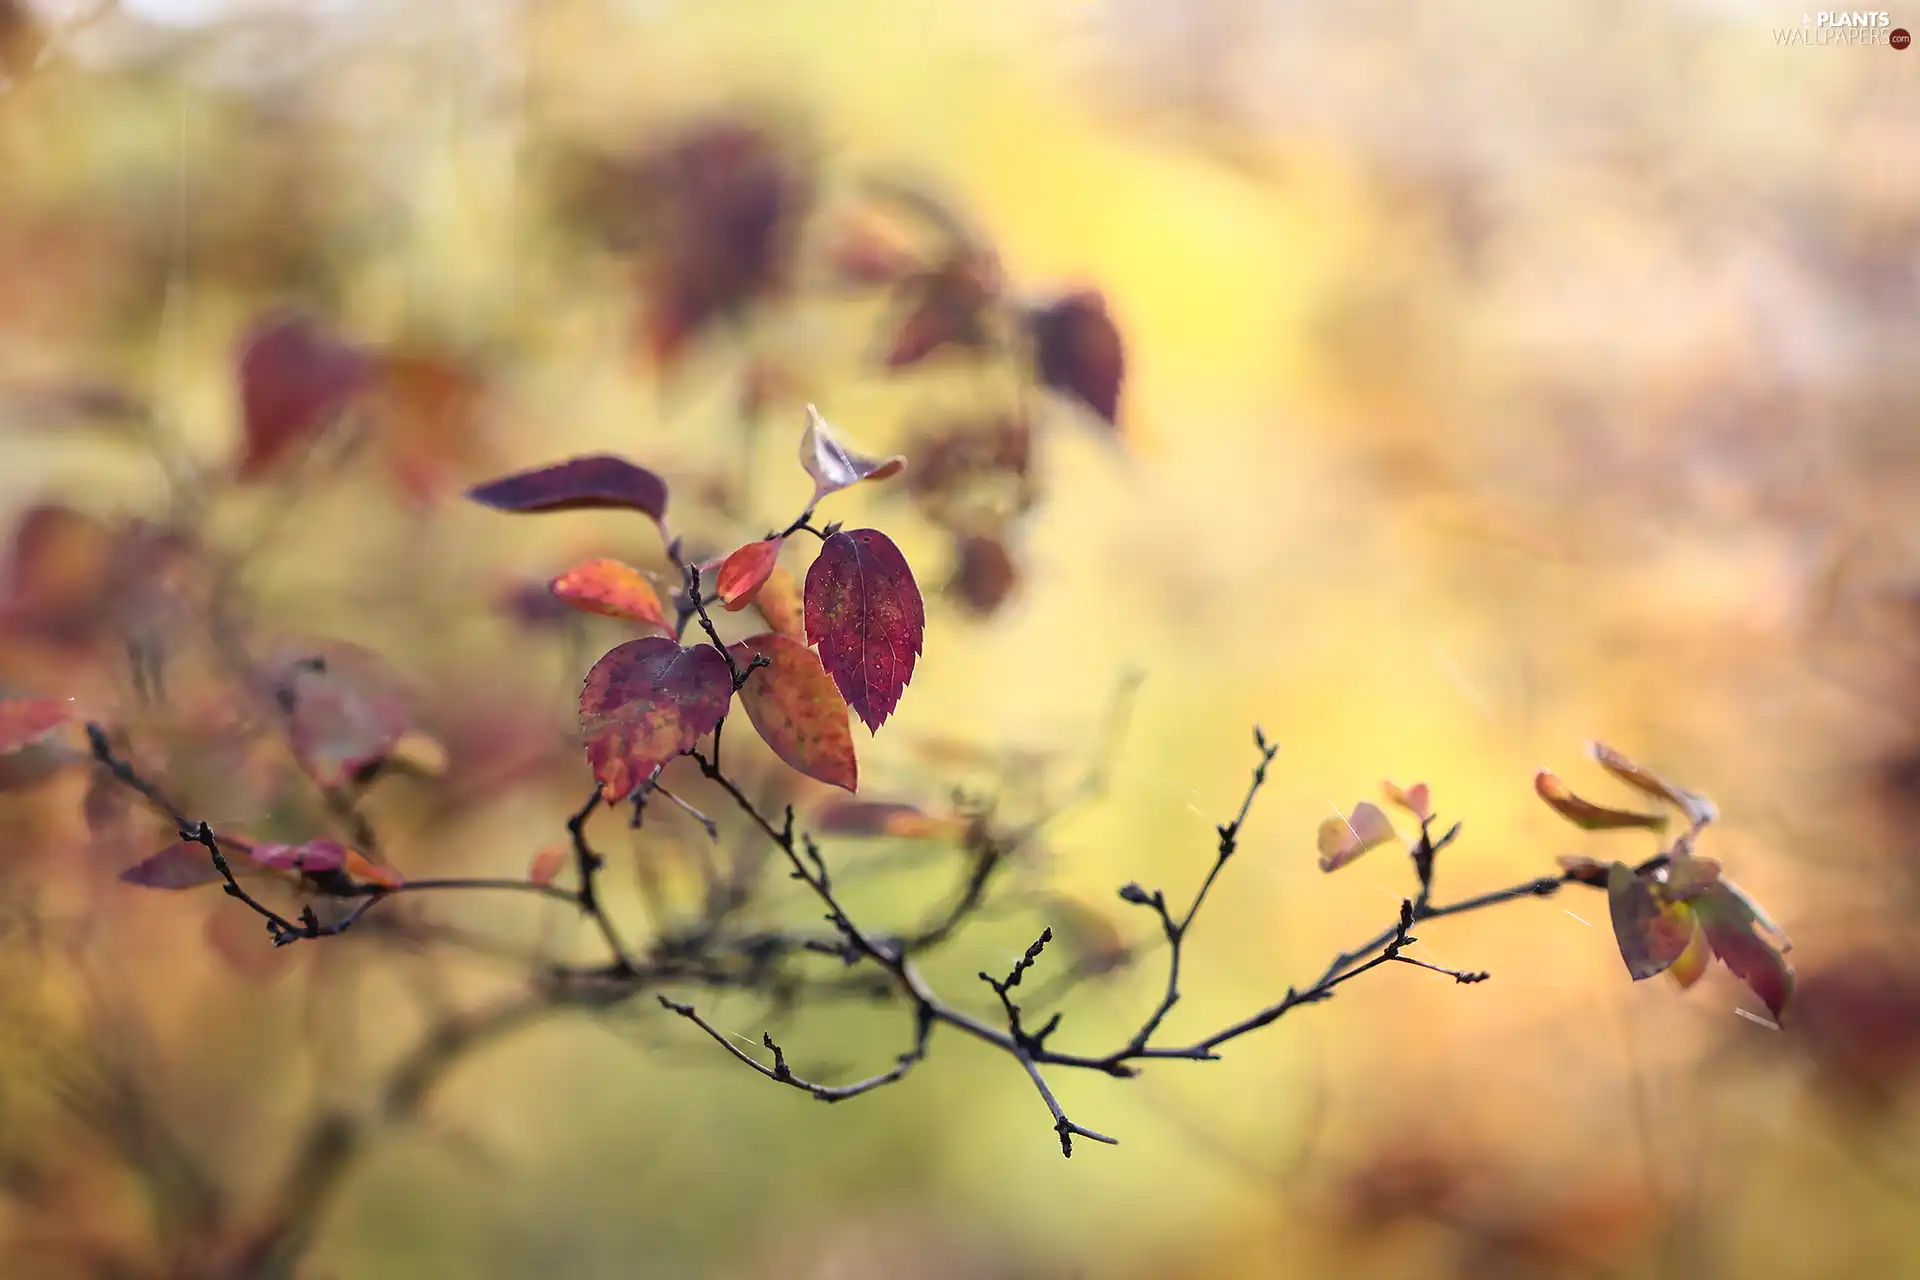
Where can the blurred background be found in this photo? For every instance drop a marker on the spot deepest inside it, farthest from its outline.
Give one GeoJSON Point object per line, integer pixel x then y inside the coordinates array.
{"type": "Point", "coordinates": [1497, 377]}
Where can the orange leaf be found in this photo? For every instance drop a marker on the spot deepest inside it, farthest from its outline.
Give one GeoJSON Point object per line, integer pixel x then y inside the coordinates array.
{"type": "Point", "coordinates": [1415, 799]}
{"type": "Point", "coordinates": [743, 573]}
{"type": "Point", "coordinates": [546, 865]}
{"type": "Point", "coordinates": [1747, 943]}
{"type": "Point", "coordinates": [613, 589]}
{"type": "Point", "coordinates": [1587, 815]}
{"type": "Point", "coordinates": [366, 871]}
{"type": "Point", "coordinates": [1344, 839]}
{"type": "Point", "coordinates": [797, 710]}
{"type": "Point", "coordinates": [778, 601]}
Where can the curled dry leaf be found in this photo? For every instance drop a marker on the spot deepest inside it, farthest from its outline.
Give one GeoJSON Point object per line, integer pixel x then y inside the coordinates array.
{"type": "Point", "coordinates": [26, 721]}
{"type": "Point", "coordinates": [1587, 815]}
{"type": "Point", "coordinates": [1078, 352]}
{"type": "Point", "coordinates": [778, 601]}
{"type": "Point", "coordinates": [833, 465]}
{"type": "Point", "coordinates": [865, 616]}
{"type": "Point", "coordinates": [1699, 810]}
{"type": "Point", "coordinates": [746, 571]}
{"type": "Point", "coordinates": [295, 379]}
{"type": "Point", "coordinates": [600, 482]}
{"type": "Point", "coordinates": [612, 589]}
{"type": "Point", "coordinates": [1345, 838]}
{"type": "Point", "coordinates": [546, 865]}
{"type": "Point", "coordinates": [796, 709]}
{"type": "Point", "coordinates": [646, 702]}
{"type": "Point", "coordinates": [1652, 932]}
{"type": "Point", "coordinates": [1416, 799]}
{"type": "Point", "coordinates": [880, 818]}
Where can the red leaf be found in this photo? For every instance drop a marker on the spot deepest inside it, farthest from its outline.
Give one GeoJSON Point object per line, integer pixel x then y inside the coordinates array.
{"type": "Point", "coordinates": [1652, 932]}
{"type": "Point", "coordinates": [797, 710]}
{"type": "Point", "coordinates": [865, 615]}
{"type": "Point", "coordinates": [1734, 928]}
{"type": "Point", "coordinates": [832, 465]}
{"type": "Point", "coordinates": [183, 864]}
{"type": "Point", "coordinates": [294, 380]}
{"type": "Point", "coordinates": [743, 573]}
{"type": "Point", "coordinates": [594, 483]}
{"type": "Point", "coordinates": [25, 721]}
{"type": "Point", "coordinates": [612, 589]}
{"type": "Point", "coordinates": [644, 703]}
{"type": "Point", "coordinates": [778, 601]}
{"type": "Point", "coordinates": [1078, 351]}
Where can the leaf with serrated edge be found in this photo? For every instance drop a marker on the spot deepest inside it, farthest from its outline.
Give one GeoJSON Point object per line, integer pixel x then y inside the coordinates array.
{"type": "Point", "coordinates": [1587, 815]}
{"type": "Point", "coordinates": [832, 465]}
{"type": "Point", "coordinates": [865, 616]}
{"type": "Point", "coordinates": [646, 702]}
{"type": "Point", "coordinates": [1730, 920]}
{"type": "Point", "coordinates": [796, 709]}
